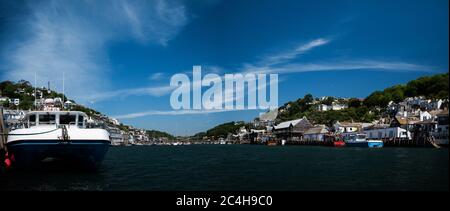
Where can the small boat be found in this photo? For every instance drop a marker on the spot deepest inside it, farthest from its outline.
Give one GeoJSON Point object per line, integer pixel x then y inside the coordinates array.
{"type": "Point", "coordinates": [272, 143]}
{"type": "Point", "coordinates": [356, 140]}
{"type": "Point", "coordinates": [338, 143]}
{"type": "Point", "coordinates": [375, 143]}
{"type": "Point", "coordinates": [57, 135]}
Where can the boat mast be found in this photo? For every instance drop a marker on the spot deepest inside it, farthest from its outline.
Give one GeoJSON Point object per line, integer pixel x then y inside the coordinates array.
{"type": "Point", "coordinates": [35, 95]}
{"type": "Point", "coordinates": [63, 91]}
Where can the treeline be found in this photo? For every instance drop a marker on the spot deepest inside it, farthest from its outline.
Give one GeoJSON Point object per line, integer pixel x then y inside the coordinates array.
{"type": "Point", "coordinates": [432, 87]}
{"type": "Point", "coordinates": [159, 134]}
{"type": "Point", "coordinates": [222, 130]}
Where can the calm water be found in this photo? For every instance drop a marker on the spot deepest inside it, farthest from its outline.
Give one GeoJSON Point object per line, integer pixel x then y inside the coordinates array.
{"type": "Point", "coordinates": [248, 167]}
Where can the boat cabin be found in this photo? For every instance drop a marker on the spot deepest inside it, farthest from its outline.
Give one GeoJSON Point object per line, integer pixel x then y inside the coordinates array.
{"type": "Point", "coordinates": [75, 118]}
{"type": "Point", "coordinates": [355, 137]}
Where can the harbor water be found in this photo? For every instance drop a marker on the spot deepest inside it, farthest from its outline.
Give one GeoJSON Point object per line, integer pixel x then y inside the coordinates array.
{"type": "Point", "coordinates": [246, 167]}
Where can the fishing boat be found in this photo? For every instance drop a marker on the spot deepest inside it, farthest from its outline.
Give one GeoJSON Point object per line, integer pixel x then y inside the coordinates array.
{"type": "Point", "coordinates": [57, 135]}
{"type": "Point", "coordinates": [356, 140]}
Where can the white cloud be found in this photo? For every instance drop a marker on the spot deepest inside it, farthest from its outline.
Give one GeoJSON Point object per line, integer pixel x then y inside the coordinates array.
{"type": "Point", "coordinates": [71, 37]}
{"type": "Point", "coordinates": [123, 93]}
{"type": "Point", "coordinates": [291, 54]}
{"type": "Point", "coordinates": [375, 65]}
{"type": "Point", "coordinates": [157, 76]}
{"type": "Point", "coordinates": [170, 112]}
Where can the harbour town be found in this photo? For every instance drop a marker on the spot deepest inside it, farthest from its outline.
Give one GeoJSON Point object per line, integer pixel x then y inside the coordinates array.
{"type": "Point", "coordinates": [415, 121]}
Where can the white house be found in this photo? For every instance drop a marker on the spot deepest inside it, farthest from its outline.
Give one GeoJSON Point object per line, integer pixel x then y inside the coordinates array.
{"type": "Point", "coordinates": [424, 115]}
{"type": "Point", "coordinates": [337, 106]}
{"type": "Point", "coordinates": [4, 99]}
{"type": "Point", "coordinates": [15, 101]}
{"type": "Point", "coordinates": [323, 107]}
{"type": "Point", "coordinates": [388, 132]}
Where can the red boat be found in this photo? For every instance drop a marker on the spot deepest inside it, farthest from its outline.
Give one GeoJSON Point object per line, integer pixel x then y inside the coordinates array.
{"type": "Point", "coordinates": [339, 143]}
{"type": "Point", "coordinates": [334, 140]}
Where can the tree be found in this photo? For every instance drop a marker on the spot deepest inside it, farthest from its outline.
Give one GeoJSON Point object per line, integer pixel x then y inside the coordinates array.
{"type": "Point", "coordinates": [308, 98]}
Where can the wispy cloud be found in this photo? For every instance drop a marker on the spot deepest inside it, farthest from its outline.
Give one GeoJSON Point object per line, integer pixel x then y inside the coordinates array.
{"type": "Point", "coordinates": [172, 112]}
{"type": "Point", "coordinates": [123, 93]}
{"type": "Point", "coordinates": [293, 53]}
{"type": "Point", "coordinates": [71, 37]}
{"type": "Point", "coordinates": [340, 65]}
{"type": "Point", "coordinates": [157, 76]}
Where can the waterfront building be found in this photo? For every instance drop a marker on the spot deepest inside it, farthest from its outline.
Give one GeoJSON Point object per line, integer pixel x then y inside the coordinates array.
{"type": "Point", "coordinates": [292, 130]}
{"type": "Point", "coordinates": [349, 127]}
{"type": "Point", "coordinates": [386, 132]}
{"type": "Point", "coordinates": [315, 133]}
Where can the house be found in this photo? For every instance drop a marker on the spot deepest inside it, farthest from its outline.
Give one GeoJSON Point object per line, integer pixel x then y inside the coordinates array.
{"type": "Point", "coordinates": [349, 127]}
{"type": "Point", "coordinates": [315, 133]}
{"type": "Point", "coordinates": [442, 125]}
{"type": "Point", "coordinates": [386, 132]}
{"type": "Point", "coordinates": [4, 100]}
{"type": "Point", "coordinates": [424, 115]}
{"type": "Point", "coordinates": [15, 101]}
{"type": "Point", "coordinates": [323, 107]}
{"type": "Point", "coordinates": [266, 119]}
{"type": "Point", "coordinates": [337, 106]}
{"type": "Point", "coordinates": [406, 123]}
{"type": "Point", "coordinates": [292, 130]}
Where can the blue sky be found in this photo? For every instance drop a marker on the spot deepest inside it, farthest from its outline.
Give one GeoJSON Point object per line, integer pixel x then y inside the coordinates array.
{"type": "Point", "coordinates": [118, 56]}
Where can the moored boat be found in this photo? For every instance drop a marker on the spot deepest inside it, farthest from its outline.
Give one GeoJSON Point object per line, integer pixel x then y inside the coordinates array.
{"type": "Point", "coordinates": [57, 135]}
{"type": "Point", "coordinates": [375, 143]}
{"type": "Point", "coordinates": [356, 140]}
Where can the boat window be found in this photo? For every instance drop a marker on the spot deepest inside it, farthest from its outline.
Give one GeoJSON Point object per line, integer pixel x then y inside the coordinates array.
{"type": "Point", "coordinates": [67, 119]}
{"type": "Point", "coordinates": [32, 119]}
{"type": "Point", "coordinates": [80, 121]}
{"type": "Point", "coordinates": [47, 119]}
{"type": "Point", "coordinates": [362, 136]}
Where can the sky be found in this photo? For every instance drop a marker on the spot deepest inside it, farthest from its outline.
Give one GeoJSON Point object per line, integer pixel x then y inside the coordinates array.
{"type": "Point", "coordinates": [118, 56]}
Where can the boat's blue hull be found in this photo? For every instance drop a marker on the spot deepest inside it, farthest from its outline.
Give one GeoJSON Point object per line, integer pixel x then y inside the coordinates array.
{"type": "Point", "coordinates": [375, 144]}
{"type": "Point", "coordinates": [88, 153]}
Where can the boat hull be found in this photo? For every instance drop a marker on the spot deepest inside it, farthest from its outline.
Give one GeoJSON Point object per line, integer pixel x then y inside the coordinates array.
{"type": "Point", "coordinates": [338, 143]}
{"type": "Point", "coordinates": [86, 153]}
{"type": "Point", "coordinates": [375, 144]}
{"type": "Point", "coordinates": [356, 144]}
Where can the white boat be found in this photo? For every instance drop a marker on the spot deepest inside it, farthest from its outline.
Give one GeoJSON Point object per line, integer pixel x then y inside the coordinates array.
{"type": "Point", "coordinates": [355, 140]}
{"type": "Point", "coordinates": [58, 135]}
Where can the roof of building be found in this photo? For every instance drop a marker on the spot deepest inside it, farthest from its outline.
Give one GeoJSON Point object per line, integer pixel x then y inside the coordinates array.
{"type": "Point", "coordinates": [406, 120]}
{"type": "Point", "coordinates": [269, 116]}
{"type": "Point", "coordinates": [287, 124]}
{"type": "Point", "coordinates": [319, 129]}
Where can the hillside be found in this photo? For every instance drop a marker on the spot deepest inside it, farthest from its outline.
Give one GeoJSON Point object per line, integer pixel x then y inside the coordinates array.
{"type": "Point", "coordinates": [358, 110]}
{"type": "Point", "coordinates": [24, 91]}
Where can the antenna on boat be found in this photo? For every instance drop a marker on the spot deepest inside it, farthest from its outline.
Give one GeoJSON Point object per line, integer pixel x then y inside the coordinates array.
{"type": "Point", "coordinates": [35, 95]}
{"type": "Point", "coordinates": [64, 96]}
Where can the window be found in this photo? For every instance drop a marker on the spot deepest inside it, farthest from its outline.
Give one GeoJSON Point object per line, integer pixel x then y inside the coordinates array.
{"type": "Point", "coordinates": [80, 121]}
{"type": "Point", "coordinates": [67, 119]}
{"type": "Point", "coordinates": [32, 119]}
{"type": "Point", "coordinates": [46, 119]}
